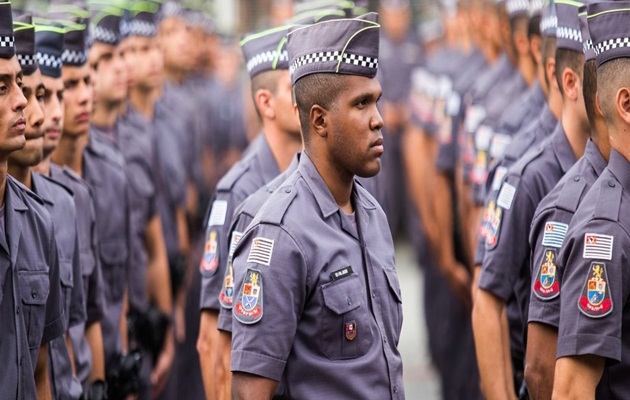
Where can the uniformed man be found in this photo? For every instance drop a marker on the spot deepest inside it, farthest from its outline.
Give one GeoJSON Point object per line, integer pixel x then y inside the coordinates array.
{"type": "Point", "coordinates": [315, 271]}
{"type": "Point", "coordinates": [92, 160]}
{"type": "Point", "coordinates": [87, 339]}
{"type": "Point", "coordinates": [30, 301]}
{"type": "Point", "coordinates": [593, 341]}
{"type": "Point", "coordinates": [505, 274]}
{"type": "Point", "coordinates": [270, 153]}
{"type": "Point", "coordinates": [58, 202]}
{"type": "Point", "coordinates": [549, 226]}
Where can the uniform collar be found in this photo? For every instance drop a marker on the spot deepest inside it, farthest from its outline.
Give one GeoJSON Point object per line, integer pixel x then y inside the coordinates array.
{"type": "Point", "coordinates": [13, 201]}
{"type": "Point", "coordinates": [594, 157]}
{"type": "Point", "coordinates": [620, 168]}
{"type": "Point", "coordinates": [267, 162]}
{"type": "Point", "coordinates": [41, 188]}
{"type": "Point", "coordinates": [547, 119]}
{"type": "Point", "coordinates": [322, 193]}
{"type": "Point", "coordinates": [538, 95]}
{"type": "Point", "coordinates": [562, 148]}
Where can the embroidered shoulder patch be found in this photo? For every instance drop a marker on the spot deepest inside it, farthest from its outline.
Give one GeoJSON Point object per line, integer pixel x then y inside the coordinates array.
{"type": "Point", "coordinates": [506, 196]}
{"type": "Point", "coordinates": [546, 286]}
{"type": "Point", "coordinates": [595, 300]}
{"type": "Point", "coordinates": [492, 225]}
{"type": "Point", "coordinates": [226, 298]}
{"type": "Point", "coordinates": [218, 213]}
{"type": "Point", "coordinates": [260, 252]}
{"type": "Point", "coordinates": [248, 308]}
{"type": "Point", "coordinates": [236, 238]}
{"type": "Point", "coordinates": [554, 234]}
{"type": "Point", "coordinates": [210, 259]}
{"type": "Point", "coordinates": [598, 246]}
{"type": "Point", "coordinates": [499, 174]}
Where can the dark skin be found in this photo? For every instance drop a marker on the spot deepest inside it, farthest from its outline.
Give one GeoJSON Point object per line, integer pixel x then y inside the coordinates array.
{"type": "Point", "coordinates": [344, 141]}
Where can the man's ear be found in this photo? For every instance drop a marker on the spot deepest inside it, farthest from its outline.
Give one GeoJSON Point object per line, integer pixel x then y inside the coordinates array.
{"type": "Point", "coordinates": [521, 43]}
{"type": "Point", "coordinates": [550, 70]}
{"type": "Point", "coordinates": [535, 48]}
{"type": "Point", "coordinates": [319, 118]}
{"type": "Point", "coordinates": [570, 84]}
{"type": "Point", "coordinates": [264, 103]}
{"type": "Point", "coordinates": [622, 104]}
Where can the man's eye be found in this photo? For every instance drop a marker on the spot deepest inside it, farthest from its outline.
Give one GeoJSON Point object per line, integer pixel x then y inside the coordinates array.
{"type": "Point", "coordinates": [3, 89]}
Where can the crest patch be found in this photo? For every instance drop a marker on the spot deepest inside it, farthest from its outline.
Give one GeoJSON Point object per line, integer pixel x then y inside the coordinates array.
{"type": "Point", "coordinates": [218, 213]}
{"type": "Point", "coordinates": [226, 298]}
{"type": "Point", "coordinates": [492, 225]}
{"type": "Point", "coordinates": [351, 330]}
{"type": "Point", "coordinates": [554, 234]}
{"type": "Point", "coordinates": [598, 246]}
{"type": "Point", "coordinates": [248, 308]}
{"type": "Point", "coordinates": [546, 286]}
{"type": "Point", "coordinates": [210, 259]}
{"type": "Point", "coordinates": [236, 238]}
{"type": "Point", "coordinates": [506, 196]}
{"type": "Point", "coordinates": [260, 252]}
{"type": "Point", "coordinates": [499, 174]}
{"type": "Point", "coordinates": [595, 300]}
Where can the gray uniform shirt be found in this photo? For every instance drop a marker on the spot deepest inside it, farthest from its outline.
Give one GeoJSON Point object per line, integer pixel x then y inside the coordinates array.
{"type": "Point", "coordinates": [594, 310]}
{"type": "Point", "coordinates": [256, 169]}
{"type": "Point", "coordinates": [318, 306]}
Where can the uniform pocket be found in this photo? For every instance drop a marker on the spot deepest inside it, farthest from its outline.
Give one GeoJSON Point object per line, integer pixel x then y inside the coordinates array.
{"type": "Point", "coordinates": [396, 298]}
{"type": "Point", "coordinates": [34, 290]}
{"type": "Point", "coordinates": [346, 323]}
{"type": "Point", "coordinates": [114, 255]}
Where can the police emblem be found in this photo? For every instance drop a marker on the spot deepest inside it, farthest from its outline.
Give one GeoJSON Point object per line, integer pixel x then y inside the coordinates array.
{"type": "Point", "coordinates": [595, 301]}
{"type": "Point", "coordinates": [210, 259]}
{"type": "Point", "coordinates": [351, 330]}
{"type": "Point", "coordinates": [227, 291]}
{"type": "Point", "coordinates": [248, 308]}
{"type": "Point", "coordinates": [492, 229]}
{"type": "Point", "coordinates": [546, 286]}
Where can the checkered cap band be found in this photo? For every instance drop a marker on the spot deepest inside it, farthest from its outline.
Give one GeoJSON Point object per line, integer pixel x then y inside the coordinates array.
{"type": "Point", "coordinates": [104, 35]}
{"type": "Point", "coordinates": [26, 59]}
{"type": "Point", "coordinates": [7, 41]}
{"type": "Point", "coordinates": [326, 56]}
{"type": "Point", "coordinates": [562, 32]}
{"type": "Point", "coordinates": [588, 45]}
{"type": "Point", "coordinates": [611, 44]}
{"type": "Point", "coordinates": [142, 28]}
{"type": "Point", "coordinates": [48, 60]}
{"type": "Point", "coordinates": [549, 23]}
{"type": "Point", "coordinates": [74, 57]}
{"type": "Point", "coordinates": [266, 57]}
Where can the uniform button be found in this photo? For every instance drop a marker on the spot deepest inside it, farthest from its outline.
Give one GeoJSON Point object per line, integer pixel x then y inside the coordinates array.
{"type": "Point", "coordinates": [21, 359]}
{"type": "Point", "coordinates": [34, 293]}
{"type": "Point", "coordinates": [395, 389]}
{"type": "Point", "coordinates": [373, 294]}
{"type": "Point", "coordinates": [577, 179]}
{"type": "Point", "coordinates": [349, 301]}
{"type": "Point", "coordinates": [611, 184]}
{"type": "Point", "coordinates": [287, 190]}
{"type": "Point", "coordinates": [384, 340]}
{"type": "Point", "coordinates": [18, 310]}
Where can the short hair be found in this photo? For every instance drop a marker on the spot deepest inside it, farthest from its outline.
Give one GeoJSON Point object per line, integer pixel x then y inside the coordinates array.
{"type": "Point", "coordinates": [321, 89]}
{"type": "Point", "coordinates": [519, 24]}
{"type": "Point", "coordinates": [611, 76]}
{"type": "Point", "coordinates": [547, 49]}
{"type": "Point", "coordinates": [571, 59]}
{"type": "Point", "coordinates": [589, 90]}
{"type": "Point", "coordinates": [267, 80]}
{"type": "Point", "coordinates": [533, 28]}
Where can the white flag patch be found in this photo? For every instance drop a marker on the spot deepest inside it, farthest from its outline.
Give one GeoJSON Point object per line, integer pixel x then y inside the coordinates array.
{"type": "Point", "coordinates": [218, 213]}
{"type": "Point", "coordinates": [260, 251]}
{"type": "Point", "coordinates": [598, 246]}
{"type": "Point", "coordinates": [498, 177]}
{"type": "Point", "coordinates": [554, 234]}
{"type": "Point", "coordinates": [506, 196]}
{"type": "Point", "coordinates": [236, 237]}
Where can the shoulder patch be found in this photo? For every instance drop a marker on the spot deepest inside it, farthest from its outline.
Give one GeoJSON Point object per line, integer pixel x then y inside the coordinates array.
{"type": "Point", "coordinates": [506, 196]}
{"type": "Point", "coordinates": [491, 227]}
{"type": "Point", "coordinates": [499, 174]}
{"type": "Point", "coordinates": [210, 259]}
{"type": "Point", "coordinates": [595, 300]}
{"type": "Point", "coordinates": [598, 246]}
{"type": "Point", "coordinates": [226, 297]}
{"type": "Point", "coordinates": [546, 285]}
{"type": "Point", "coordinates": [260, 251]}
{"type": "Point", "coordinates": [554, 234]}
{"type": "Point", "coordinates": [249, 303]}
{"type": "Point", "coordinates": [218, 213]}
{"type": "Point", "coordinates": [232, 176]}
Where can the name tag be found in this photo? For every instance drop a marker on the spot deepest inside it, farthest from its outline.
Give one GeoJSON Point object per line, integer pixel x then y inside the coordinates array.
{"type": "Point", "coordinates": [341, 273]}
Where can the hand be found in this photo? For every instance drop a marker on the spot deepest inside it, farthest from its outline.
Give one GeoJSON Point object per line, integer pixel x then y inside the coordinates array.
{"type": "Point", "coordinates": [162, 368]}
{"type": "Point", "coordinates": [459, 279]}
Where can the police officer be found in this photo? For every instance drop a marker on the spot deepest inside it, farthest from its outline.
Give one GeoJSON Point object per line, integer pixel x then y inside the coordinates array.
{"type": "Point", "coordinates": [269, 154]}
{"type": "Point", "coordinates": [57, 201]}
{"type": "Point", "coordinates": [505, 274]}
{"type": "Point", "coordinates": [87, 341]}
{"type": "Point", "coordinates": [93, 161]}
{"type": "Point", "coordinates": [315, 271]}
{"type": "Point", "coordinates": [592, 334]}
{"type": "Point", "coordinates": [549, 226]}
{"type": "Point", "coordinates": [31, 303]}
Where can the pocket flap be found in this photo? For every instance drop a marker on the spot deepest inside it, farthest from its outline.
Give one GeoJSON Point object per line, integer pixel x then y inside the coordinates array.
{"type": "Point", "coordinates": [65, 273]}
{"type": "Point", "coordinates": [394, 285]}
{"type": "Point", "coordinates": [34, 287]}
{"type": "Point", "coordinates": [343, 295]}
{"type": "Point", "coordinates": [113, 252]}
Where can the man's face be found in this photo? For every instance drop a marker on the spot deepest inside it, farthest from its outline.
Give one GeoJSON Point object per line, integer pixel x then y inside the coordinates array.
{"type": "Point", "coordinates": [77, 99]}
{"type": "Point", "coordinates": [32, 153]}
{"type": "Point", "coordinates": [144, 61]}
{"type": "Point", "coordinates": [355, 141]}
{"type": "Point", "coordinates": [175, 41]}
{"type": "Point", "coordinates": [12, 104]}
{"type": "Point", "coordinates": [53, 113]}
{"type": "Point", "coordinates": [286, 119]}
{"type": "Point", "coordinates": [109, 73]}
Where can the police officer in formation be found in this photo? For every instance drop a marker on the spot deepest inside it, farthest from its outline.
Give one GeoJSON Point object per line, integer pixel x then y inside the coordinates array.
{"type": "Point", "coordinates": [140, 262]}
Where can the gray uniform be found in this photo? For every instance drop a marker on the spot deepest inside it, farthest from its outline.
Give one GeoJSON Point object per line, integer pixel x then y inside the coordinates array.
{"type": "Point", "coordinates": [330, 294]}
{"type": "Point", "coordinates": [91, 273]}
{"type": "Point", "coordinates": [594, 312]}
{"type": "Point", "coordinates": [31, 304]}
{"type": "Point", "coordinates": [108, 183]}
{"type": "Point", "coordinates": [505, 271]}
{"type": "Point", "coordinates": [243, 216]}
{"type": "Point", "coordinates": [256, 169]}
{"type": "Point", "coordinates": [60, 205]}
{"type": "Point", "coordinates": [549, 227]}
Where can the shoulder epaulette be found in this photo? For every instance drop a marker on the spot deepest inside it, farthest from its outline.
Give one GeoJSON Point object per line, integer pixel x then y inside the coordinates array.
{"type": "Point", "coordinates": [526, 159]}
{"type": "Point", "coordinates": [282, 199]}
{"type": "Point", "coordinates": [232, 176]}
{"type": "Point", "coordinates": [569, 197]}
{"type": "Point", "coordinates": [608, 200]}
{"type": "Point", "coordinates": [59, 184]}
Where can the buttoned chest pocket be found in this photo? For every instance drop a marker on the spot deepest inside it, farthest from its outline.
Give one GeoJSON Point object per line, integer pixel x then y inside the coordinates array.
{"type": "Point", "coordinates": [346, 321]}
{"type": "Point", "coordinates": [395, 303]}
{"type": "Point", "coordinates": [67, 283]}
{"type": "Point", "coordinates": [34, 290]}
{"type": "Point", "coordinates": [114, 257]}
